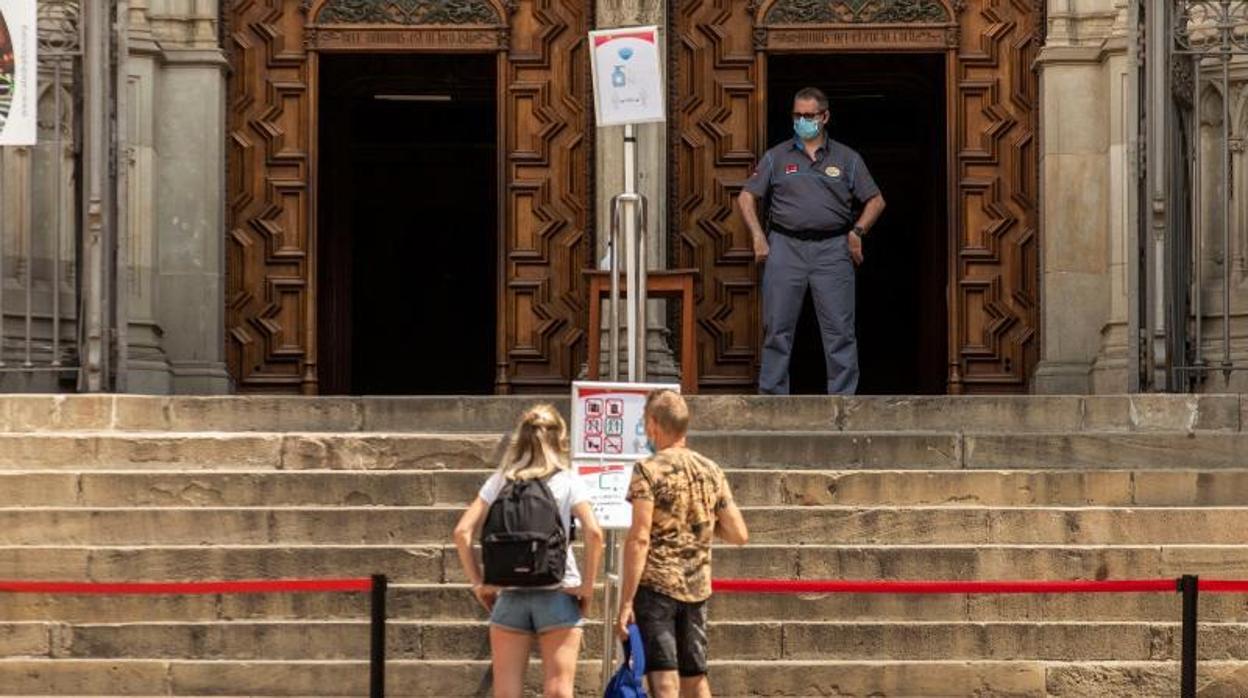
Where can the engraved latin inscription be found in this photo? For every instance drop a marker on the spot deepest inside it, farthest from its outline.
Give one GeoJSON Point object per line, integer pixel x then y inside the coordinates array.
{"type": "Point", "coordinates": [449, 39]}
{"type": "Point", "coordinates": [925, 37]}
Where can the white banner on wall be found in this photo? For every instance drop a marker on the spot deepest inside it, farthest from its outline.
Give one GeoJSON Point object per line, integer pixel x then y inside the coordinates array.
{"type": "Point", "coordinates": [628, 76]}
{"type": "Point", "coordinates": [18, 72]}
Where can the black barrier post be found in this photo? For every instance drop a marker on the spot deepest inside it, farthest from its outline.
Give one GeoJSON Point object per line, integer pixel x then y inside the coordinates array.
{"type": "Point", "coordinates": [1189, 585]}
{"type": "Point", "coordinates": [377, 639]}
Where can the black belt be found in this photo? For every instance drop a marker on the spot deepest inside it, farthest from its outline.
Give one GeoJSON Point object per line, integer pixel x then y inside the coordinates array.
{"type": "Point", "coordinates": [809, 234]}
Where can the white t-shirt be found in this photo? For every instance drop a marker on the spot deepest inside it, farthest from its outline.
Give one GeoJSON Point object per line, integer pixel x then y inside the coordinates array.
{"type": "Point", "coordinates": [568, 491]}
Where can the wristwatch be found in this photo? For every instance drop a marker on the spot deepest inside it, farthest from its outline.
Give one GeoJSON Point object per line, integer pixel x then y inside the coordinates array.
{"type": "Point", "coordinates": [860, 231]}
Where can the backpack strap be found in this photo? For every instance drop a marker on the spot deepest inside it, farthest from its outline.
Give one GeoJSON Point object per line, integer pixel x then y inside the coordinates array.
{"type": "Point", "coordinates": [571, 531]}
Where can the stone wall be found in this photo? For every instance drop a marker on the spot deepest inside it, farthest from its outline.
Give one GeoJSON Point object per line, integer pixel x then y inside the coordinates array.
{"type": "Point", "coordinates": [1087, 172]}
{"type": "Point", "coordinates": [171, 226]}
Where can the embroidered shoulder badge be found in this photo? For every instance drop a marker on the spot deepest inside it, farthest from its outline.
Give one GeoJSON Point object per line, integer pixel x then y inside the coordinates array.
{"type": "Point", "coordinates": [833, 171]}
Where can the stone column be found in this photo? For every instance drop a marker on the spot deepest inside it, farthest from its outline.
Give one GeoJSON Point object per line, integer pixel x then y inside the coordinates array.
{"type": "Point", "coordinates": [188, 219]}
{"type": "Point", "coordinates": [147, 366]}
{"type": "Point", "coordinates": [651, 182]}
{"type": "Point", "coordinates": [1109, 372]}
{"type": "Point", "coordinates": [1076, 192]}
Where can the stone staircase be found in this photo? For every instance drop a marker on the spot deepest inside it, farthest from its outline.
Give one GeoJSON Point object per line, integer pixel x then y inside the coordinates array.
{"type": "Point", "coordinates": [130, 488]}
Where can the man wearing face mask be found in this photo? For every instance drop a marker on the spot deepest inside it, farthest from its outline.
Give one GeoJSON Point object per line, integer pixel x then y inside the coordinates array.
{"type": "Point", "coordinates": [681, 501]}
{"type": "Point", "coordinates": [815, 185]}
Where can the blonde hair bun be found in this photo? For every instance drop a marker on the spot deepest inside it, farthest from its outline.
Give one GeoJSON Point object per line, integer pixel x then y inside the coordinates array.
{"type": "Point", "coordinates": [539, 445]}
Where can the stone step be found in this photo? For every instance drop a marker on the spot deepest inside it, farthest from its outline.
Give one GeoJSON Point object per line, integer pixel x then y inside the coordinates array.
{"type": "Point", "coordinates": [1020, 413]}
{"type": "Point", "coordinates": [768, 525]}
{"type": "Point", "coordinates": [937, 451]}
{"type": "Point", "coordinates": [763, 449]}
{"type": "Point", "coordinates": [752, 487]}
{"type": "Point", "coordinates": [398, 451]}
{"type": "Point", "coordinates": [453, 602]}
{"type": "Point", "coordinates": [730, 679]}
{"type": "Point", "coordinates": [439, 563]}
{"type": "Point", "coordinates": [1009, 488]}
{"type": "Point", "coordinates": [249, 451]}
{"type": "Point", "coordinates": [1100, 451]}
{"type": "Point", "coordinates": [729, 640]}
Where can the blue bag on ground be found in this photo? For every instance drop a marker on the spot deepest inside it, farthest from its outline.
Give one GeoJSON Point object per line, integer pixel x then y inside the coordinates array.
{"type": "Point", "coordinates": [628, 681]}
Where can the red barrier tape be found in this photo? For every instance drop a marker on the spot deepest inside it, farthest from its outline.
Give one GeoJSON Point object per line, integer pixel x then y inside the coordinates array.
{"type": "Point", "coordinates": [824, 586]}
{"type": "Point", "coordinates": [1223, 586]}
{"type": "Point", "coordinates": [265, 586]}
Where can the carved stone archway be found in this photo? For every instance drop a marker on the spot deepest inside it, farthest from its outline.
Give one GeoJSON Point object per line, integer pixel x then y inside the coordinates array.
{"type": "Point", "coordinates": [718, 52]}
{"type": "Point", "coordinates": [544, 173]}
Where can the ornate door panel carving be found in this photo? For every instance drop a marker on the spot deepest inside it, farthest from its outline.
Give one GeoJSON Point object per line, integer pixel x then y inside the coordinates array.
{"type": "Point", "coordinates": [546, 190]}
{"type": "Point", "coordinates": [995, 266]}
{"type": "Point", "coordinates": [716, 135]}
{"type": "Point", "coordinates": [543, 169]}
{"type": "Point", "coordinates": [718, 51]}
{"type": "Point", "coordinates": [269, 331]}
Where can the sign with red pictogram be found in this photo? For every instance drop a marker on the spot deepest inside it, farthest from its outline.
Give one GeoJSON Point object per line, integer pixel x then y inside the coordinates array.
{"type": "Point", "coordinates": [608, 436]}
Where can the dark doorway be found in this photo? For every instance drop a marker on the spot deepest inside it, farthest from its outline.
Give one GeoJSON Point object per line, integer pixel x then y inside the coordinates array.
{"type": "Point", "coordinates": [891, 109]}
{"type": "Point", "coordinates": [408, 241]}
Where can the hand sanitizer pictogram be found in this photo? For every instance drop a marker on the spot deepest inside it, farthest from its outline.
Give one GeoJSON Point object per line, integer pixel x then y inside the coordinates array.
{"type": "Point", "coordinates": [622, 91]}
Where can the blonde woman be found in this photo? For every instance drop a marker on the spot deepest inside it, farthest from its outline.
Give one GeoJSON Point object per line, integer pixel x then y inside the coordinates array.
{"type": "Point", "coordinates": [553, 614]}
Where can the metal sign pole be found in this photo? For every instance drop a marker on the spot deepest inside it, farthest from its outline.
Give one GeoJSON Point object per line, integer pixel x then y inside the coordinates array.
{"type": "Point", "coordinates": [628, 89]}
{"type": "Point", "coordinates": [629, 205]}
{"type": "Point", "coordinates": [610, 581]}
{"type": "Point", "coordinates": [613, 303]}
{"type": "Point", "coordinates": [630, 244]}
{"type": "Point", "coordinates": [607, 420]}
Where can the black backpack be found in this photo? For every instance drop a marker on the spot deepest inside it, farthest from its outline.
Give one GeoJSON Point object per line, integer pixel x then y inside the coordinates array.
{"type": "Point", "coordinates": [523, 542]}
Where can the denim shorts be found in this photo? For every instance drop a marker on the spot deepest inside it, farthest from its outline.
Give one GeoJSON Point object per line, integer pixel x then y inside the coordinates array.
{"type": "Point", "coordinates": [536, 610]}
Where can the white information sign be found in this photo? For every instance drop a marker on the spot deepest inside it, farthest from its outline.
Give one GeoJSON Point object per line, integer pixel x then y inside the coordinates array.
{"type": "Point", "coordinates": [628, 76]}
{"type": "Point", "coordinates": [18, 72]}
{"type": "Point", "coordinates": [608, 436]}
{"type": "Point", "coordinates": [608, 487]}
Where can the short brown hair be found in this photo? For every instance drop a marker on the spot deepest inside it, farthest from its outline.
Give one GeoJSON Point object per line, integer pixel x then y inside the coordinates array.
{"type": "Point", "coordinates": [812, 93]}
{"type": "Point", "coordinates": [669, 410]}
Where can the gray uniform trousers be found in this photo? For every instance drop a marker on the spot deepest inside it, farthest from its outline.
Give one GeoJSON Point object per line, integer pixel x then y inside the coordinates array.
{"type": "Point", "coordinates": [824, 265]}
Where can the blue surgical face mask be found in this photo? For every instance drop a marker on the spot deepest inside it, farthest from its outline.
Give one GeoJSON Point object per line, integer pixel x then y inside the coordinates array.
{"type": "Point", "coordinates": [806, 129]}
{"type": "Point", "coordinates": [650, 447]}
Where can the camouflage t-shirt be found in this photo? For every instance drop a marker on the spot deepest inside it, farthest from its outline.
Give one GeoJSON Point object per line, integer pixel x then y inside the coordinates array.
{"type": "Point", "coordinates": [688, 491]}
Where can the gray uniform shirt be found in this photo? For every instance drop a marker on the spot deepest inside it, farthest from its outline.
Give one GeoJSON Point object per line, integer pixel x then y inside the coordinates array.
{"type": "Point", "coordinates": [812, 196]}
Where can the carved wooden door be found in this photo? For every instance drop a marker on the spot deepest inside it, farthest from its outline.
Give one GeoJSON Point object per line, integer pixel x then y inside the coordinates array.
{"type": "Point", "coordinates": [718, 48]}
{"type": "Point", "coordinates": [547, 193]}
{"type": "Point", "coordinates": [270, 335]}
{"type": "Point", "coordinates": [716, 135]}
{"type": "Point", "coordinates": [994, 307]}
{"type": "Point", "coordinates": [543, 169]}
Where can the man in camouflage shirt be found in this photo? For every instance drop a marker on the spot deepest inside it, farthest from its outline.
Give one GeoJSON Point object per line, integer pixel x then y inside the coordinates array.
{"type": "Point", "coordinates": [681, 499]}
